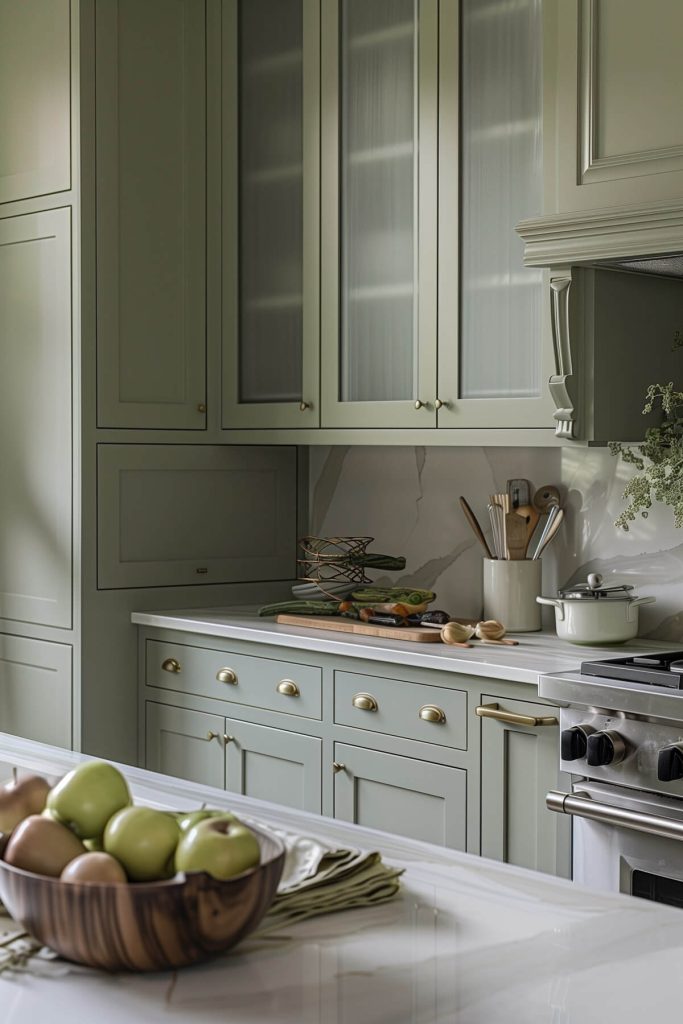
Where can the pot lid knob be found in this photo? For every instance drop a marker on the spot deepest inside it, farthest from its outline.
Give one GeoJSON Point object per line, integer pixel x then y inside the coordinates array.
{"type": "Point", "coordinates": [594, 580]}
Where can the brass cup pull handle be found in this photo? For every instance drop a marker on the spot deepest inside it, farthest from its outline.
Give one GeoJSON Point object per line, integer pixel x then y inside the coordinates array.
{"type": "Point", "coordinates": [432, 713]}
{"type": "Point", "coordinates": [227, 675]}
{"type": "Point", "coordinates": [513, 717]}
{"type": "Point", "coordinates": [338, 766]}
{"type": "Point", "coordinates": [288, 688]}
{"type": "Point", "coordinates": [365, 702]}
{"type": "Point", "coordinates": [170, 665]}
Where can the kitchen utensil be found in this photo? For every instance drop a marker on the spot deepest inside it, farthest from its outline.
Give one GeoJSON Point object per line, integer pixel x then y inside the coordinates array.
{"type": "Point", "coordinates": [545, 497]}
{"type": "Point", "coordinates": [338, 624]}
{"type": "Point", "coordinates": [532, 517]}
{"type": "Point", "coordinates": [586, 614]}
{"type": "Point", "coordinates": [519, 492]}
{"type": "Point", "coordinates": [146, 926]}
{"type": "Point", "coordinates": [495, 513]}
{"type": "Point", "coordinates": [476, 528]}
{"type": "Point", "coordinates": [510, 591]}
{"type": "Point", "coordinates": [516, 539]}
{"type": "Point", "coordinates": [552, 526]}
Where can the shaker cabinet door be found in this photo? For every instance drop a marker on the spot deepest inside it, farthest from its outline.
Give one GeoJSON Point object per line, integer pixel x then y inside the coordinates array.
{"type": "Point", "coordinates": [273, 764]}
{"type": "Point", "coordinates": [399, 794]}
{"type": "Point", "coordinates": [185, 744]}
{"type": "Point", "coordinates": [151, 166]}
{"type": "Point", "coordinates": [519, 764]}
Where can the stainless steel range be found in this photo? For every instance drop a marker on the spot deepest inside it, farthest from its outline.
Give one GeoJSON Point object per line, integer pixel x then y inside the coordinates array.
{"type": "Point", "coordinates": [621, 722]}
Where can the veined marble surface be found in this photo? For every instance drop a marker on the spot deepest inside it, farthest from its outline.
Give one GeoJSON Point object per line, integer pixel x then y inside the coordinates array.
{"type": "Point", "coordinates": [470, 941]}
{"type": "Point", "coordinates": [407, 499]}
{"type": "Point", "coordinates": [536, 654]}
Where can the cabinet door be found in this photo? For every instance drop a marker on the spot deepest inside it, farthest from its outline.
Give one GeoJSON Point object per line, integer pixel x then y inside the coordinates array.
{"type": "Point", "coordinates": [35, 406]}
{"type": "Point", "coordinates": [185, 744]}
{"type": "Point", "coordinates": [379, 196]}
{"type": "Point", "coordinates": [273, 764]}
{"type": "Point", "coordinates": [519, 764]}
{"type": "Point", "coordinates": [495, 342]}
{"type": "Point", "coordinates": [35, 690]}
{"type": "Point", "coordinates": [399, 794]}
{"type": "Point", "coordinates": [35, 98]}
{"type": "Point", "coordinates": [271, 202]}
{"type": "Point", "coordinates": [615, 77]}
{"type": "Point", "coordinates": [151, 164]}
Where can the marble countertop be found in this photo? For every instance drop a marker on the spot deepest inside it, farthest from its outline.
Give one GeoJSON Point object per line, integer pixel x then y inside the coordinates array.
{"type": "Point", "coordinates": [537, 653]}
{"type": "Point", "coordinates": [469, 941]}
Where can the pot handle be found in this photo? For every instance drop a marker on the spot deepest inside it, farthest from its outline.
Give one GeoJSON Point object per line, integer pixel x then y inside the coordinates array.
{"type": "Point", "coordinates": [634, 604]}
{"type": "Point", "coordinates": [554, 603]}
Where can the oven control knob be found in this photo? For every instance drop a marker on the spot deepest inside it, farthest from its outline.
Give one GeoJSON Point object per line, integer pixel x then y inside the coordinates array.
{"type": "Point", "coordinates": [670, 763]}
{"type": "Point", "coordinates": [573, 742]}
{"type": "Point", "coordinates": [605, 748]}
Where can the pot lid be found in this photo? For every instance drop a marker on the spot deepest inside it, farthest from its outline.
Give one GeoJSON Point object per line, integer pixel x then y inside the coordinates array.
{"type": "Point", "coordinates": [593, 590]}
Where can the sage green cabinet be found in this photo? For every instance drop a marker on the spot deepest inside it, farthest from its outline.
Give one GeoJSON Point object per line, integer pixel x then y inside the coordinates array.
{"type": "Point", "coordinates": [36, 690]}
{"type": "Point", "coordinates": [35, 98]}
{"type": "Point", "coordinates": [36, 408]}
{"type": "Point", "coordinates": [614, 79]}
{"type": "Point", "coordinates": [274, 764]}
{"type": "Point", "coordinates": [519, 764]}
{"type": "Point", "coordinates": [150, 88]}
{"type": "Point", "coordinates": [393, 793]}
{"type": "Point", "coordinates": [185, 744]}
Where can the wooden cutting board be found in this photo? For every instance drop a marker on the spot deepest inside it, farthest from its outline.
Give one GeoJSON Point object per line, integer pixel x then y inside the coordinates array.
{"type": "Point", "coordinates": [414, 634]}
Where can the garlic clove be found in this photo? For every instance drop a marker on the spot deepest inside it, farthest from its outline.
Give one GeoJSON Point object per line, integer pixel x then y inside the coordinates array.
{"type": "Point", "coordinates": [490, 629]}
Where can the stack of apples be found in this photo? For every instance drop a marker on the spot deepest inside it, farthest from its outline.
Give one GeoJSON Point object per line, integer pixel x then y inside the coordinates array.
{"type": "Point", "coordinates": [86, 829]}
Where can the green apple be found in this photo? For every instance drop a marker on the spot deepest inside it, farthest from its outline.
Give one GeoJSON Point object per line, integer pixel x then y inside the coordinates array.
{"type": "Point", "coordinates": [190, 818]}
{"type": "Point", "coordinates": [87, 797]}
{"type": "Point", "coordinates": [221, 846]}
{"type": "Point", "coordinates": [143, 841]}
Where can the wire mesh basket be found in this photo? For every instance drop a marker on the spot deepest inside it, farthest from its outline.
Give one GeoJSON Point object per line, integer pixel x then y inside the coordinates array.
{"type": "Point", "coordinates": [333, 563]}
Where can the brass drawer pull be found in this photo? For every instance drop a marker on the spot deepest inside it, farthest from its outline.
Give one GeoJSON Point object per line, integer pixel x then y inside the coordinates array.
{"type": "Point", "coordinates": [431, 713]}
{"type": "Point", "coordinates": [170, 665]}
{"type": "Point", "coordinates": [365, 702]}
{"type": "Point", "coordinates": [227, 738]}
{"type": "Point", "coordinates": [211, 735]}
{"type": "Point", "coordinates": [288, 688]}
{"type": "Point", "coordinates": [227, 675]}
{"type": "Point", "coordinates": [338, 766]}
{"type": "Point", "coordinates": [513, 717]}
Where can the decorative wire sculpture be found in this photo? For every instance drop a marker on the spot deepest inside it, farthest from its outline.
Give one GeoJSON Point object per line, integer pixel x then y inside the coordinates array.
{"type": "Point", "coordinates": [331, 562]}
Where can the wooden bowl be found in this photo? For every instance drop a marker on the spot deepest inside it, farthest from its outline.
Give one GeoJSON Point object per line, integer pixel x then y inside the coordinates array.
{"type": "Point", "coordinates": [144, 926]}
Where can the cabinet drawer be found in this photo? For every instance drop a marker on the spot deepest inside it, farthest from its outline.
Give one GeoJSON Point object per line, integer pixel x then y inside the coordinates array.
{"type": "Point", "coordinates": [255, 682]}
{"type": "Point", "coordinates": [410, 710]}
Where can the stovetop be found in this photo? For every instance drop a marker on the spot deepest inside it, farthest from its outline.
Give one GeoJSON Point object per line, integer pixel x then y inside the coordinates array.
{"type": "Point", "coordinates": [664, 670]}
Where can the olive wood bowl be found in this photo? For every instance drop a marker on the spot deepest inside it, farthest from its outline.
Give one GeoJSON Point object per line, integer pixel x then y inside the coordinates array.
{"type": "Point", "coordinates": [144, 926]}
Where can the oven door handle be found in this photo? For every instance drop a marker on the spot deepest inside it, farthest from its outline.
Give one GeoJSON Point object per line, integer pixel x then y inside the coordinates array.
{"type": "Point", "coordinates": [586, 807]}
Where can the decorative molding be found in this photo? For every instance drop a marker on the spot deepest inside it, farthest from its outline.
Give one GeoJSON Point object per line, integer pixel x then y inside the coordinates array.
{"type": "Point", "coordinates": [558, 384]}
{"type": "Point", "coordinates": [607, 234]}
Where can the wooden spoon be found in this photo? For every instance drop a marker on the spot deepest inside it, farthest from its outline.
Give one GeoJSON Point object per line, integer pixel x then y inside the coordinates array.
{"type": "Point", "coordinates": [532, 516]}
{"type": "Point", "coordinates": [476, 528]}
{"type": "Point", "coordinates": [545, 497]}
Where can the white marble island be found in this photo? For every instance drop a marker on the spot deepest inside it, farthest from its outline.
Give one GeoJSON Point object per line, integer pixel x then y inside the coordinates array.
{"type": "Point", "coordinates": [469, 941]}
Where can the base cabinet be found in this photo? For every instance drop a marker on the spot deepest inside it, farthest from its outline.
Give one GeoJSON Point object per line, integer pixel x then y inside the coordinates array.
{"type": "Point", "coordinates": [519, 764]}
{"type": "Point", "coordinates": [185, 744]}
{"type": "Point", "coordinates": [35, 690]}
{"type": "Point", "coordinates": [273, 764]}
{"type": "Point", "coordinates": [400, 794]}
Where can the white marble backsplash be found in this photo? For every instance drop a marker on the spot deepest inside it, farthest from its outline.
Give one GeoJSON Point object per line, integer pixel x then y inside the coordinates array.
{"type": "Point", "coordinates": [407, 499]}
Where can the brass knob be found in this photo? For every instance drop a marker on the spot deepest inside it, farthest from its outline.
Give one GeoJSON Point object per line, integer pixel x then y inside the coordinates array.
{"type": "Point", "coordinates": [365, 702]}
{"type": "Point", "coordinates": [227, 675]}
{"type": "Point", "coordinates": [438, 404]}
{"type": "Point", "coordinates": [170, 665]}
{"type": "Point", "coordinates": [338, 766]}
{"type": "Point", "coordinates": [303, 406]}
{"type": "Point", "coordinates": [201, 407]}
{"type": "Point", "coordinates": [211, 735]}
{"type": "Point", "coordinates": [227, 738]}
{"type": "Point", "coordinates": [288, 688]}
{"type": "Point", "coordinates": [419, 404]}
{"type": "Point", "coordinates": [431, 713]}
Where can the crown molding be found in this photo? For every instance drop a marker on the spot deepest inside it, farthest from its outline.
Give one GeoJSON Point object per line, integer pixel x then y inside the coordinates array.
{"type": "Point", "coordinates": [607, 234]}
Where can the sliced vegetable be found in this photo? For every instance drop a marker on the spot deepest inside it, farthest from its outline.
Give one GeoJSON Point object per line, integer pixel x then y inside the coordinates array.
{"type": "Point", "coordinates": [300, 608]}
{"type": "Point", "coordinates": [394, 595]}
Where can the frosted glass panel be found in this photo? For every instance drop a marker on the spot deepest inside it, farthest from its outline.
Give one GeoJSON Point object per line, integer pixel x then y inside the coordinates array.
{"type": "Point", "coordinates": [501, 303]}
{"type": "Point", "coordinates": [271, 200]}
{"type": "Point", "coordinates": [378, 181]}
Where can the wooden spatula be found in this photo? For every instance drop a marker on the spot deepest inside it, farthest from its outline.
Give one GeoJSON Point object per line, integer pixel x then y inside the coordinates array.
{"type": "Point", "coordinates": [516, 536]}
{"type": "Point", "coordinates": [529, 513]}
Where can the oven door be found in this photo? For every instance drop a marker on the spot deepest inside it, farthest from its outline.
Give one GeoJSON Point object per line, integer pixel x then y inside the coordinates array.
{"type": "Point", "coordinates": [625, 840]}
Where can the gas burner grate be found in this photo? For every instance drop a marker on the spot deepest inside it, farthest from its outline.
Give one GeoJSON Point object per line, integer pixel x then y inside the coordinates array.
{"type": "Point", "coordinates": [648, 669]}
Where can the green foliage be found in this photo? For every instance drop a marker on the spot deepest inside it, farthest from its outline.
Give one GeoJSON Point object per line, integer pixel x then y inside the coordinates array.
{"type": "Point", "coordinates": [659, 459]}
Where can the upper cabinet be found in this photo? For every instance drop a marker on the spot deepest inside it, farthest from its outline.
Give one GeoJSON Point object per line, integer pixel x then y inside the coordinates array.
{"type": "Point", "coordinates": [35, 98]}
{"type": "Point", "coordinates": [151, 217]}
{"type": "Point", "coordinates": [614, 79]}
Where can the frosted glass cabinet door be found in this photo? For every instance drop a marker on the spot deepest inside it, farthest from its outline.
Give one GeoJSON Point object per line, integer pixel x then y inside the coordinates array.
{"type": "Point", "coordinates": [495, 346]}
{"type": "Point", "coordinates": [379, 89]}
{"type": "Point", "coordinates": [270, 137]}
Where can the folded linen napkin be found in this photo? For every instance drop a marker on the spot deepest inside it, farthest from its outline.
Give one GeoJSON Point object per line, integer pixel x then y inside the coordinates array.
{"type": "Point", "coordinates": [317, 879]}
